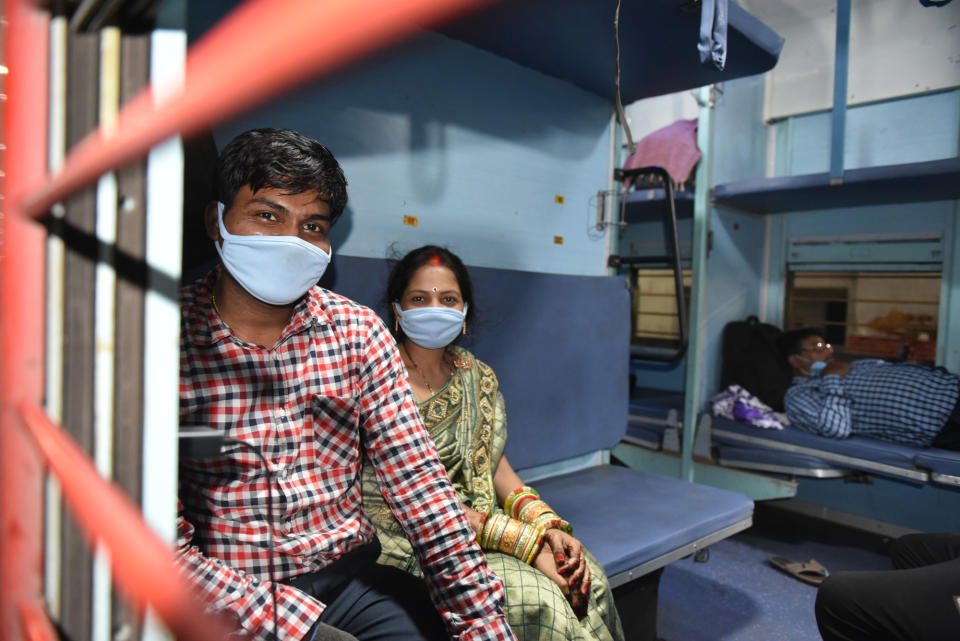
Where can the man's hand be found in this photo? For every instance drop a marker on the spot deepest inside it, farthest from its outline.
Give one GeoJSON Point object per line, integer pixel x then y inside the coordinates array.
{"type": "Point", "coordinates": [840, 368]}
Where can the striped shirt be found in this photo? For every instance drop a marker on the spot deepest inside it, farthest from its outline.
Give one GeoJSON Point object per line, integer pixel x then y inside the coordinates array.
{"type": "Point", "coordinates": [331, 388]}
{"type": "Point", "coordinates": [899, 402]}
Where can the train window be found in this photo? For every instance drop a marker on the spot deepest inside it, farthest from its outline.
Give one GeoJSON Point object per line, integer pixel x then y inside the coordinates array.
{"type": "Point", "coordinates": [890, 315]}
{"type": "Point", "coordinates": [655, 321]}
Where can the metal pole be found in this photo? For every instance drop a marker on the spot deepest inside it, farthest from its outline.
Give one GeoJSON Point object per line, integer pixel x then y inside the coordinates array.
{"type": "Point", "coordinates": [22, 260]}
{"type": "Point", "coordinates": [698, 283]}
{"type": "Point", "coordinates": [839, 116]}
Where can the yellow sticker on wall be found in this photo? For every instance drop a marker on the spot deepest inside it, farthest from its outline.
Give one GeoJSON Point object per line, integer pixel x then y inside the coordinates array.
{"type": "Point", "coordinates": [558, 240]}
{"type": "Point", "coordinates": [410, 220]}
{"type": "Point", "coordinates": [558, 199]}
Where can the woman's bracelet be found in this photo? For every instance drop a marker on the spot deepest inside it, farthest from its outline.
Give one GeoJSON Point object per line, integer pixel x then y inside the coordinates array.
{"type": "Point", "coordinates": [541, 516]}
{"type": "Point", "coordinates": [516, 500]}
{"type": "Point", "coordinates": [510, 536]}
{"type": "Point", "coordinates": [525, 505]}
{"type": "Point", "coordinates": [483, 521]}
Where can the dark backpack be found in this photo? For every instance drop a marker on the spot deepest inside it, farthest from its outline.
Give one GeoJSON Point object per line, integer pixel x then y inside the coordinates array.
{"type": "Point", "coordinates": [751, 359]}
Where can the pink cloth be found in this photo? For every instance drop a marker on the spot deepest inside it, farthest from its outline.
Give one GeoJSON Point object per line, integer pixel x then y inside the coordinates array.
{"type": "Point", "coordinates": [674, 148]}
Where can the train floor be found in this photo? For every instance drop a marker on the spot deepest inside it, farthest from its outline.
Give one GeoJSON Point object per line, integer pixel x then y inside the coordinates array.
{"type": "Point", "coordinates": [736, 595]}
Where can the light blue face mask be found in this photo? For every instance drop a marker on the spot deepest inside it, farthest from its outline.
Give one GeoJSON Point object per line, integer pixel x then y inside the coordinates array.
{"type": "Point", "coordinates": [431, 327]}
{"type": "Point", "coordinates": [274, 269]}
{"type": "Point", "coordinates": [816, 367]}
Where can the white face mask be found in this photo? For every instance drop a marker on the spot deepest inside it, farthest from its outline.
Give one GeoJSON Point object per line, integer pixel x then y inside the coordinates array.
{"type": "Point", "coordinates": [274, 269]}
{"type": "Point", "coordinates": [431, 327]}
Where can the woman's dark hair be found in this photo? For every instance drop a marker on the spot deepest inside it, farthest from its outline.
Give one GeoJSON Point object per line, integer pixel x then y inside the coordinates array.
{"type": "Point", "coordinates": [791, 343]}
{"type": "Point", "coordinates": [404, 269]}
{"type": "Point", "coordinates": [282, 159]}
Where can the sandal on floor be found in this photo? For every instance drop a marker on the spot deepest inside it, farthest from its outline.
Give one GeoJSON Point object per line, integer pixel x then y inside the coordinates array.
{"type": "Point", "coordinates": [810, 572]}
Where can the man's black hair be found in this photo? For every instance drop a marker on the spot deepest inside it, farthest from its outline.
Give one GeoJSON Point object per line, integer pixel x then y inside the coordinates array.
{"type": "Point", "coordinates": [282, 159]}
{"type": "Point", "coordinates": [791, 343]}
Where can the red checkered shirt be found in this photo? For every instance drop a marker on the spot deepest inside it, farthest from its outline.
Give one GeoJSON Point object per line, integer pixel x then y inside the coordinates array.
{"type": "Point", "coordinates": [331, 388]}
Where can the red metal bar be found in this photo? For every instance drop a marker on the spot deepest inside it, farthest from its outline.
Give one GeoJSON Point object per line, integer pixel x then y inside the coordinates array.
{"type": "Point", "coordinates": [21, 312]}
{"type": "Point", "coordinates": [262, 48]}
{"type": "Point", "coordinates": [142, 566]}
{"type": "Point", "coordinates": [34, 622]}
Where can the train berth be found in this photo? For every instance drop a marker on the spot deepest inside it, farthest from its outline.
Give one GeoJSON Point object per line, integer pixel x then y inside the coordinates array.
{"type": "Point", "coordinates": [943, 465]}
{"type": "Point", "coordinates": [893, 460]}
{"type": "Point", "coordinates": [647, 424]}
{"type": "Point", "coordinates": [882, 185]}
{"type": "Point", "coordinates": [777, 462]}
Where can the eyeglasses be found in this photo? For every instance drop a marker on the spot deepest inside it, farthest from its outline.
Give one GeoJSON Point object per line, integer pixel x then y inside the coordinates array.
{"type": "Point", "coordinates": [818, 347]}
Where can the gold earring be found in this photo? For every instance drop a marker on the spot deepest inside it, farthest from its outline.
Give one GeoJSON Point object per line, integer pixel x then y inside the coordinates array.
{"type": "Point", "coordinates": [464, 328]}
{"type": "Point", "coordinates": [396, 325]}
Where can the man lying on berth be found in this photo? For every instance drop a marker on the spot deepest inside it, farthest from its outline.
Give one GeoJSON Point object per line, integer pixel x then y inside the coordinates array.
{"type": "Point", "coordinates": [899, 402]}
{"type": "Point", "coordinates": [312, 381]}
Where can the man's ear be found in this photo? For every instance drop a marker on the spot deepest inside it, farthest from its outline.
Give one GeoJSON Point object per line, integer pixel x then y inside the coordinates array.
{"type": "Point", "coordinates": [210, 221]}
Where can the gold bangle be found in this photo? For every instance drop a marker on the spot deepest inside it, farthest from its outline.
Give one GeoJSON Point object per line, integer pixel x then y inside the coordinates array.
{"type": "Point", "coordinates": [511, 534]}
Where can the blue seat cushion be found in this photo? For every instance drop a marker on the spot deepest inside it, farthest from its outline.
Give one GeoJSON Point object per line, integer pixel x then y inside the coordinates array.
{"type": "Point", "coordinates": [858, 453]}
{"type": "Point", "coordinates": [626, 517]}
{"type": "Point", "coordinates": [642, 409]}
{"type": "Point", "coordinates": [777, 461]}
{"type": "Point", "coordinates": [649, 436]}
{"type": "Point", "coordinates": [646, 424]}
{"type": "Point", "coordinates": [650, 399]}
{"type": "Point", "coordinates": [940, 461]}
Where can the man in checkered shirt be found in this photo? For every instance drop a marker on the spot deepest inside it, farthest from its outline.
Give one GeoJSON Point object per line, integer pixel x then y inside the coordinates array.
{"type": "Point", "coordinates": [899, 402]}
{"type": "Point", "coordinates": [312, 382]}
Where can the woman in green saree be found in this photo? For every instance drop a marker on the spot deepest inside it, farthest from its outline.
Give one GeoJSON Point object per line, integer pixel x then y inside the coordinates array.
{"type": "Point", "coordinates": [554, 588]}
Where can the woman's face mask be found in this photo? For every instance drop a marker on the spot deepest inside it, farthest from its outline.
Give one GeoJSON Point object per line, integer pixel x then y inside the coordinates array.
{"type": "Point", "coordinates": [431, 327]}
{"type": "Point", "coordinates": [274, 269]}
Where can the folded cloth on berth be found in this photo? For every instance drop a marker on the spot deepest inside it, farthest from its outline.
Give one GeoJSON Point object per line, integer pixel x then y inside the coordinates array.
{"type": "Point", "coordinates": [738, 404]}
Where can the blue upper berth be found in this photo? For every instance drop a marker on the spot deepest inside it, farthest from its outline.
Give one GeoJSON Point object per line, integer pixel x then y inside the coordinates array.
{"type": "Point", "coordinates": [573, 40]}
{"type": "Point", "coordinates": [888, 184]}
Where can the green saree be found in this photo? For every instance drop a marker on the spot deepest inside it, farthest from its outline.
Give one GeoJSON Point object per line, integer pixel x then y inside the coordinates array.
{"type": "Point", "coordinates": [467, 422]}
